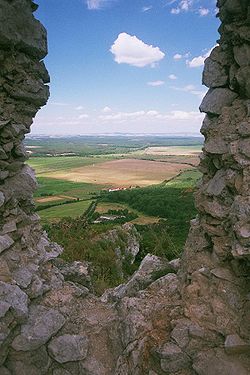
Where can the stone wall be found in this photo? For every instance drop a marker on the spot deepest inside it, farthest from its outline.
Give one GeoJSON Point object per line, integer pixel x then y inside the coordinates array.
{"type": "Point", "coordinates": [194, 322]}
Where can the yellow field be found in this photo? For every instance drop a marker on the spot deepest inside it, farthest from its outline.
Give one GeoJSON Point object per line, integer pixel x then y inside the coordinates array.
{"type": "Point", "coordinates": [54, 198]}
{"type": "Point", "coordinates": [172, 150]}
{"type": "Point", "coordinates": [124, 172]}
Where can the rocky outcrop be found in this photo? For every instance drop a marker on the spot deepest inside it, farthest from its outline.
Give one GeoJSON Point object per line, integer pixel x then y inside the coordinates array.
{"type": "Point", "coordinates": [184, 317]}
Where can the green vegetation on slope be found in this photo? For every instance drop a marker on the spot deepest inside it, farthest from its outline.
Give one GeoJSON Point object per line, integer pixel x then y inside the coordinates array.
{"type": "Point", "coordinates": [173, 201]}
{"type": "Point", "coordinates": [90, 243]}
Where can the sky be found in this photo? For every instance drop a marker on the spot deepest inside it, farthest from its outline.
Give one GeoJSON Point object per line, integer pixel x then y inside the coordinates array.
{"type": "Point", "coordinates": [125, 66]}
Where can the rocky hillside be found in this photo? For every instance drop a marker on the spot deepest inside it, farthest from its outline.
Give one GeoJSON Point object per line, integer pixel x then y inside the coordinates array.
{"type": "Point", "coordinates": [194, 322]}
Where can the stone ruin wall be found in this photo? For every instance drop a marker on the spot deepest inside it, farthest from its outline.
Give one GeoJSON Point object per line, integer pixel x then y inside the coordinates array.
{"type": "Point", "coordinates": [195, 322]}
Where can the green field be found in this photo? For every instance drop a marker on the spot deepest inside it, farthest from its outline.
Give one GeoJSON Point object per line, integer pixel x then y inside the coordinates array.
{"type": "Point", "coordinates": [51, 186]}
{"type": "Point", "coordinates": [51, 164]}
{"type": "Point", "coordinates": [58, 197]}
{"type": "Point", "coordinates": [102, 145]}
{"type": "Point", "coordinates": [185, 180]}
{"type": "Point", "coordinates": [72, 210]}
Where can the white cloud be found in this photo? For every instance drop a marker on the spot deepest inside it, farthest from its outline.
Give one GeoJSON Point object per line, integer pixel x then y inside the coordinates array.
{"type": "Point", "coordinates": [106, 109]}
{"type": "Point", "coordinates": [179, 56]}
{"type": "Point", "coordinates": [122, 116]}
{"type": "Point", "coordinates": [83, 116]}
{"type": "Point", "coordinates": [156, 83]}
{"type": "Point", "coordinates": [128, 49]}
{"type": "Point", "coordinates": [152, 113]}
{"type": "Point", "coordinates": [59, 104]}
{"type": "Point", "coordinates": [176, 115]}
{"type": "Point", "coordinates": [96, 4]}
{"type": "Point", "coordinates": [183, 115]}
{"type": "Point", "coordinates": [187, 88]}
{"type": "Point", "coordinates": [183, 6]}
{"type": "Point", "coordinates": [190, 89]}
{"type": "Point", "coordinates": [147, 8]}
{"type": "Point", "coordinates": [198, 61]}
{"type": "Point", "coordinates": [203, 12]}
{"type": "Point", "coordinates": [79, 108]}
{"type": "Point", "coordinates": [172, 77]}
{"type": "Point", "coordinates": [175, 11]}
{"type": "Point", "coordinates": [140, 116]}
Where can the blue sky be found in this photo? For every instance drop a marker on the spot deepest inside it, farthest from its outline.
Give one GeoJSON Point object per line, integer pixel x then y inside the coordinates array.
{"type": "Point", "coordinates": [130, 66]}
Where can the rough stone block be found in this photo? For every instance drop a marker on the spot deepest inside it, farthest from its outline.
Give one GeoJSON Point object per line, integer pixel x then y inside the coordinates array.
{"type": "Point", "coordinates": [41, 325]}
{"type": "Point", "coordinates": [68, 348]}
{"type": "Point", "coordinates": [216, 99]}
{"type": "Point", "coordinates": [19, 28]}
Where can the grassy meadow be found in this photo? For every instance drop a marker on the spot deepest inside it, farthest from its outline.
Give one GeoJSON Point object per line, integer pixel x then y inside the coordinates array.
{"type": "Point", "coordinates": [73, 210]}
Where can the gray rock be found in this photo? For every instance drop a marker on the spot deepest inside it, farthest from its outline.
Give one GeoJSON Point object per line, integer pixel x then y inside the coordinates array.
{"type": "Point", "coordinates": [4, 307]}
{"type": "Point", "coordinates": [4, 175]}
{"type": "Point", "coordinates": [243, 79]}
{"type": "Point", "coordinates": [175, 264]}
{"type": "Point", "coordinates": [216, 99]}
{"type": "Point", "coordinates": [48, 250]}
{"type": "Point", "coordinates": [235, 345]}
{"type": "Point", "coordinates": [16, 298]}
{"type": "Point", "coordinates": [4, 371]}
{"type": "Point", "coordinates": [216, 146]}
{"type": "Point", "coordinates": [233, 6]}
{"type": "Point", "coordinates": [211, 363]}
{"type": "Point", "coordinates": [61, 371]}
{"type": "Point", "coordinates": [23, 183]}
{"type": "Point", "coordinates": [169, 283]}
{"type": "Point", "coordinates": [4, 123]}
{"type": "Point", "coordinates": [8, 146]}
{"type": "Point", "coordinates": [242, 231]}
{"type": "Point", "coordinates": [217, 184]}
{"type": "Point", "coordinates": [23, 277]}
{"type": "Point", "coordinates": [244, 129]}
{"type": "Point", "coordinates": [5, 242]}
{"type": "Point", "coordinates": [9, 227]}
{"type": "Point", "coordinates": [173, 359]}
{"type": "Point", "coordinates": [13, 17]}
{"type": "Point", "coordinates": [36, 362]}
{"type": "Point", "coordinates": [150, 269]}
{"type": "Point", "coordinates": [27, 94]}
{"type": "Point", "coordinates": [3, 155]}
{"type": "Point", "coordinates": [196, 331]}
{"type": "Point", "coordinates": [41, 325]}
{"type": "Point", "coordinates": [68, 348]}
{"type": "Point", "coordinates": [239, 251]}
{"type": "Point", "coordinates": [244, 147]}
{"type": "Point", "coordinates": [222, 273]}
{"type": "Point", "coordinates": [20, 150]}
{"type": "Point", "coordinates": [2, 199]}
{"type": "Point", "coordinates": [214, 74]}
{"type": "Point", "coordinates": [77, 272]}
{"type": "Point", "coordinates": [180, 335]}
{"type": "Point", "coordinates": [242, 54]}
{"type": "Point", "coordinates": [36, 288]}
